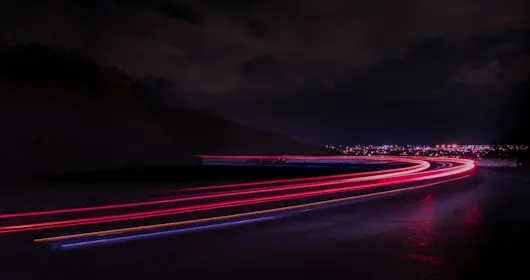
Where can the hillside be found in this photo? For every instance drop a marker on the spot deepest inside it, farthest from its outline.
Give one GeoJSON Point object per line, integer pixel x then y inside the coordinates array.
{"type": "Point", "coordinates": [203, 133]}
{"type": "Point", "coordinates": [60, 112]}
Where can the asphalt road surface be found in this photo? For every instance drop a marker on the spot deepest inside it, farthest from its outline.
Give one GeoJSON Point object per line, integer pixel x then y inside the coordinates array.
{"type": "Point", "coordinates": [466, 229]}
{"type": "Point", "coordinates": [222, 205]}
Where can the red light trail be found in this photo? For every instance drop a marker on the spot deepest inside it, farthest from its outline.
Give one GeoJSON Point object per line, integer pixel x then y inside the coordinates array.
{"type": "Point", "coordinates": [254, 193]}
{"type": "Point", "coordinates": [420, 165]}
{"type": "Point", "coordinates": [225, 217]}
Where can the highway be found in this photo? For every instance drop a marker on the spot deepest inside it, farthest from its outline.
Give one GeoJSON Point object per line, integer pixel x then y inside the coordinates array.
{"type": "Point", "coordinates": [427, 219]}
{"type": "Point", "coordinates": [194, 209]}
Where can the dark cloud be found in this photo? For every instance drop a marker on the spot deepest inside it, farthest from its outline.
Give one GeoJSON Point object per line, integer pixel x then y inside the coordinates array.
{"type": "Point", "coordinates": [174, 10]}
{"type": "Point", "coordinates": [259, 29]}
{"type": "Point", "coordinates": [262, 66]}
{"type": "Point", "coordinates": [225, 56]}
{"type": "Point", "coordinates": [462, 91]}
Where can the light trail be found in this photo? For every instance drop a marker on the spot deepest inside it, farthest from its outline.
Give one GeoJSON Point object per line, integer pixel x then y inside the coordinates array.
{"type": "Point", "coordinates": [104, 239]}
{"type": "Point", "coordinates": [390, 180]}
{"type": "Point", "coordinates": [420, 165]}
{"type": "Point", "coordinates": [297, 180]}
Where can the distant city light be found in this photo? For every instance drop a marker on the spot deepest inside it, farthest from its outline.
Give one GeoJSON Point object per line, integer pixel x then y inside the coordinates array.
{"type": "Point", "coordinates": [477, 152]}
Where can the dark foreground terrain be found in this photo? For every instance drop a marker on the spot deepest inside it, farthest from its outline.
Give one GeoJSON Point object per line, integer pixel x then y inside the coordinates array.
{"type": "Point", "coordinates": [468, 229]}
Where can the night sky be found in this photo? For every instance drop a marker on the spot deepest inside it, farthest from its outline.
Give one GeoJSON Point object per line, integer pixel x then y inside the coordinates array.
{"type": "Point", "coordinates": [322, 71]}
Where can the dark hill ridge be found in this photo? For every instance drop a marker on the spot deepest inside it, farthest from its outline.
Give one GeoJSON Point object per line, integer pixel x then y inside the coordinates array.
{"type": "Point", "coordinates": [60, 112]}
{"type": "Point", "coordinates": [46, 67]}
{"type": "Point", "coordinates": [203, 133]}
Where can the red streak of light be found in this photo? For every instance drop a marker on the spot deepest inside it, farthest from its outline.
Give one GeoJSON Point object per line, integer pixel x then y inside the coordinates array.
{"type": "Point", "coordinates": [147, 214]}
{"type": "Point", "coordinates": [422, 165]}
{"type": "Point", "coordinates": [216, 218]}
{"type": "Point", "coordinates": [425, 199]}
{"type": "Point", "coordinates": [294, 180]}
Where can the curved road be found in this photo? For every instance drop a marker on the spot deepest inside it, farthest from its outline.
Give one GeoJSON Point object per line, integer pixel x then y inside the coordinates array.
{"type": "Point", "coordinates": [203, 208]}
{"type": "Point", "coordinates": [462, 229]}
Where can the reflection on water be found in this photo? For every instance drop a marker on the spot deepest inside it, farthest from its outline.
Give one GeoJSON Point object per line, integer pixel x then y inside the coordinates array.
{"type": "Point", "coordinates": [420, 243]}
{"type": "Point", "coordinates": [424, 241]}
{"type": "Point", "coordinates": [474, 214]}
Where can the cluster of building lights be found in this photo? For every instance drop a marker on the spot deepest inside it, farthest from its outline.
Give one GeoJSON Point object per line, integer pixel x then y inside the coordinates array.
{"type": "Point", "coordinates": [443, 146]}
{"type": "Point", "coordinates": [442, 150]}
